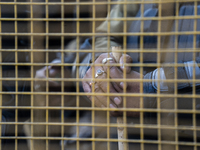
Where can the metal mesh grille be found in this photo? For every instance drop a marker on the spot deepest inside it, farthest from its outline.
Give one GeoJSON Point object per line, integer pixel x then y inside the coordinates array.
{"type": "Point", "coordinates": [43, 105]}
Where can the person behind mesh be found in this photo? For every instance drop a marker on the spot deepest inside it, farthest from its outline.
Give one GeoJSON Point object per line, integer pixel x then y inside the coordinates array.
{"type": "Point", "coordinates": [158, 68]}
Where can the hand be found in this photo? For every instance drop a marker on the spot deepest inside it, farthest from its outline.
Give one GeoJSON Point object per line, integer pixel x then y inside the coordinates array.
{"type": "Point", "coordinates": [128, 87]}
{"type": "Point", "coordinates": [115, 87]}
{"type": "Point", "coordinates": [87, 86]}
{"type": "Point", "coordinates": [53, 71]}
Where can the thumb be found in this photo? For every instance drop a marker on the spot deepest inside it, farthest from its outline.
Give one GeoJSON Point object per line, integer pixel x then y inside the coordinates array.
{"type": "Point", "coordinates": [125, 59]}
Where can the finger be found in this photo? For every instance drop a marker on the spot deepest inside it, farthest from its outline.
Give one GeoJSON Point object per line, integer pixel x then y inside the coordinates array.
{"type": "Point", "coordinates": [126, 86]}
{"type": "Point", "coordinates": [97, 101]}
{"type": "Point", "coordinates": [102, 56]}
{"type": "Point", "coordinates": [134, 85]}
{"type": "Point", "coordinates": [123, 85]}
{"type": "Point", "coordinates": [125, 59]}
{"type": "Point", "coordinates": [109, 100]}
{"type": "Point", "coordinates": [100, 101]}
{"type": "Point", "coordinates": [92, 72]}
{"type": "Point", "coordinates": [106, 60]}
{"type": "Point", "coordinates": [103, 85]}
{"type": "Point", "coordinates": [86, 87]}
{"type": "Point", "coordinates": [85, 84]}
{"type": "Point", "coordinates": [97, 88]}
{"type": "Point", "coordinates": [41, 73]}
{"type": "Point", "coordinates": [130, 102]}
{"type": "Point", "coordinates": [115, 73]}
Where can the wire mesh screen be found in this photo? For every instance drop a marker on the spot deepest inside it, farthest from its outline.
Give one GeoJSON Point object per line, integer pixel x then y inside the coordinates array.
{"type": "Point", "coordinates": [95, 74]}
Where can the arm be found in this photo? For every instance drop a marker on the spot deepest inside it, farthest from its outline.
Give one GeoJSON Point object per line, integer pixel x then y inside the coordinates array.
{"type": "Point", "coordinates": [183, 73]}
{"type": "Point", "coordinates": [134, 86]}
